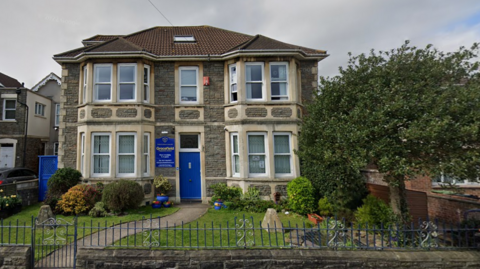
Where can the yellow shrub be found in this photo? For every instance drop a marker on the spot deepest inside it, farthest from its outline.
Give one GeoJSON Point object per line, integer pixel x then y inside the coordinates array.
{"type": "Point", "coordinates": [73, 202]}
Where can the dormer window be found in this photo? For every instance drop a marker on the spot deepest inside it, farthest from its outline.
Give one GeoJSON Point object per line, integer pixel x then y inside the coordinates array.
{"type": "Point", "coordinates": [184, 39]}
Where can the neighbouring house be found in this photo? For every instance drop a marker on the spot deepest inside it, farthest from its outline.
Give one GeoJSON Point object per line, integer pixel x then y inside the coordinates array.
{"type": "Point", "coordinates": [40, 131]}
{"type": "Point", "coordinates": [197, 104]}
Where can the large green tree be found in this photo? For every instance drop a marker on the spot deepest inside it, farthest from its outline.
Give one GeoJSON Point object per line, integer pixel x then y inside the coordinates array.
{"type": "Point", "coordinates": [408, 111]}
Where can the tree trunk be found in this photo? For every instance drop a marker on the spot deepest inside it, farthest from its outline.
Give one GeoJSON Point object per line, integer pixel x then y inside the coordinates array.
{"type": "Point", "coordinates": [398, 199]}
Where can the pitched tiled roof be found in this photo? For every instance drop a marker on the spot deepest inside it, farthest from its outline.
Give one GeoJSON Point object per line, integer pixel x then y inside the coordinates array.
{"type": "Point", "coordinates": [159, 41]}
{"type": "Point", "coordinates": [9, 82]}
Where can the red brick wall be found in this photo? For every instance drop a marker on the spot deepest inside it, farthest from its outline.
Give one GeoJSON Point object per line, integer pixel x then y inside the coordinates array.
{"type": "Point", "coordinates": [449, 208]}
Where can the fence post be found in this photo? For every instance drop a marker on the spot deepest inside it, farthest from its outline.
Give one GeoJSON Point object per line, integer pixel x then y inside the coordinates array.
{"type": "Point", "coordinates": [75, 220]}
{"type": "Point", "coordinates": [32, 235]}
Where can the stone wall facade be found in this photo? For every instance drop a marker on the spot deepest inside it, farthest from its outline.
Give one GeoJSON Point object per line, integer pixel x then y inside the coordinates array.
{"type": "Point", "coordinates": [94, 258]}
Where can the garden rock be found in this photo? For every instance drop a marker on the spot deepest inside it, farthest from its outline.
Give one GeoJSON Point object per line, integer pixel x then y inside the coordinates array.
{"type": "Point", "coordinates": [44, 214]}
{"type": "Point", "coordinates": [271, 222]}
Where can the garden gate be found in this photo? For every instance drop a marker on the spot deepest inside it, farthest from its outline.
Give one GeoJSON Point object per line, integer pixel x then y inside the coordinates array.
{"type": "Point", "coordinates": [54, 243]}
{"type": "Point", "coordinates": [47, 167]}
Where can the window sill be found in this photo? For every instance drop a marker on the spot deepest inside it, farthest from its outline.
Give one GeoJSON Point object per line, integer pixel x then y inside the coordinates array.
{"type": "Point", "coordinates": [270, 103]}
{"type": "Point", "coordinates": [40, 116]}
{"type": "Point", "coordinates": [470, 185]}
{"type": "Point", "coordinates": [189, 105]}
{"type": "Point", "coordinates": [8, 121]}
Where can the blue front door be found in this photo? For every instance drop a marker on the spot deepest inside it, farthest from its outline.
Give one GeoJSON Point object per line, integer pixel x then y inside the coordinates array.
{"type": "Point", "coordinates": [47, 167]}
{"type": "Point", "coordinates": [190, 186]}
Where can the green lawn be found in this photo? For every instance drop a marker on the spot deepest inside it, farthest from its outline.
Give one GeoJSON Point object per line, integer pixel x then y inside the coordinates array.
{"type": "Point", "coordinates": [17, 229]}
{"type": "Point", "coordinates": [222, 228]}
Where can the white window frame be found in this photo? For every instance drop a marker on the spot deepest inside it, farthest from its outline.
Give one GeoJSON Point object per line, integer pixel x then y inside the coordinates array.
{"type": "Point", "coordinates": [55, 148]}
{"type": "Point", "coordinates": [255, 81]}
{"type": "Point", "coordinates": [40, 109]}
{"type": "Point", "coordinates": [233, 153]}
{"type": "Point", "coordinates": [286, 81]}
{"type": "Point", "coordinates": [95, 83]}
{"type": "Point", "coordinates": [233, 80]}
{"type": "Point", "coordinates": [267, 169]}
{"type": "Point", "coordinates": [85, 81]}
{"type": "Point", "coordinates": [146, 93]}
{"type": "Point", "coordinates": [283, 154]}
{"type": "Point", "coordinates": [57, 114]}
{"type": "Point", "coordinates": [134, 154]}
{"type": "Point", "coordinates": [188, 85]}
{"type": "Point", "coordinates": [134, 82]}
{"type": "Point", "coordinates": [109, 154]}
{"type": "Point", "coordinates": [5, 109]}
{"type": "Point", "coordinates": [464, 183]}
{"type": "Point", "coordinates": [146, 145]}
{"type": "Point", "coordinates": [82, 152]}
{"type": "Point", "coordinates": [197, 149]}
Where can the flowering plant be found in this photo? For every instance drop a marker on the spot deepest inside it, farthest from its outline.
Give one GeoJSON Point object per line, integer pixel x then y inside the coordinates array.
{"type": "Point", "coordinates": [168, 203]}
{"type": "Point", "coordinates": [156, 202]}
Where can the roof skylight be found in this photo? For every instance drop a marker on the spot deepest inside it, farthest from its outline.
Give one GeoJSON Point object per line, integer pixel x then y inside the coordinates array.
{"type": "Point", "coordinates": [184, 38]}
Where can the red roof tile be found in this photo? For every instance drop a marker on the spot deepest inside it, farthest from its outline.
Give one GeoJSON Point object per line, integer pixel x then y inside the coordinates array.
{"type": "Point", "coordinates": [9, 82]}
{"type": "Point", "coordinates": [159, 41]}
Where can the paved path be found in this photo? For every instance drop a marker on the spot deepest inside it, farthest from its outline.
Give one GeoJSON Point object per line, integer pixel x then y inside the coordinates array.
{"type": "Point", "coordinates": [64, 256]}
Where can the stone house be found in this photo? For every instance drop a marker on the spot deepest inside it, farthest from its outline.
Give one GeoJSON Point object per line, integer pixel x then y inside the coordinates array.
{"type": "Point", "coordinates": [41, 134]}
{"type": "Point", "coordinates": [229, 104]}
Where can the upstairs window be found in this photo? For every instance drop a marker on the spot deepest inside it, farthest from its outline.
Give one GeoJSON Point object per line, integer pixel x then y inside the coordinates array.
{"type": "Point", "coordinates": [9, 107]}
{"type": "Point", "coordinates": [188, 84]}
{"type": "Point", "coordinates": [233, 83]}
{"type": "Point", "coordinates": [279, 81]}
{"type": "Point", "coordinates": [126, 82]}
{"type": "Point", "coordinates": [84, 84]}
{"type": "Point", "coordinates": [146, 83]}
{"type": "Point", "coordinates": [57, 114]}
{"type": "Point", "coordinates": [254, 81]}
{"type": "Point", "coordinates": [40, 109]}
{"type": "Point", "coordinates": [103, 82]}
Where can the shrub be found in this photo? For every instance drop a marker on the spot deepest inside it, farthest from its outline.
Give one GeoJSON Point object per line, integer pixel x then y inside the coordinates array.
{"type": "Point", "coordinates": [162, 184]}
{"type": "Point", "coordinates": [98, 210]}
{"type": "Point", "coordinates": [301, 196]}
{"type": "Point", "coordinates": [99, 187]}
{"type": "Point", "coordinates": [325, 208]}
{"type": "Point", "coordinates": [374, 212]}
{"type": "Point", "coordinates": [122, 194]}
{"type": "Point", "coordinates": [72, 202]}
{"type": "Point", "coordinates": [59, 183]}
{"type": "Point", "coordinates": [225, 193]}
{"type": "Point", "coordinates": [90, 194]}
{"type": "Point", "coordinates": [253, 194]}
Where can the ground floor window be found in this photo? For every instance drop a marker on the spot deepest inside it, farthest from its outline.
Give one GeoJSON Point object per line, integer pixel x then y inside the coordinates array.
{"type": "Point", "coordinates": [256, 154]}
{"type": "Point", "coordinates": [55, 148]}
{"type": "Point", "coordinates": [101, 154]}
{"type": "Point", "coordinates": [282, 153]}
{"type": "Point", "coordinates": [126, 154]}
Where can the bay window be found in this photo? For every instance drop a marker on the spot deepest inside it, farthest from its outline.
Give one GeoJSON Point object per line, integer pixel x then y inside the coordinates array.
{"type": "Point", "coordinates": [233, 83]}
{"type": "Point", "coordinates": [84, 84]}
{"type": "Point", "coordinates": [82, 153]}
{"type": "Point", "coordinates": [254, 81]}
{"type": "Point", "coordinates": [101, 154]}
{"type": "Point", "coordinates": [235, 155]}
{"type": "Point", "coordinates": [282, 153]}
{"type": "Point", "coordinates": [279, 81]}
{"type": "Point", "coordinates": [103, 82]}
{"type": "Point", "coordinates": [188, 84]}
{"type": "Point", "coordinates": [126, 82]}
{"type": "Point", "coordinates": [146, 83]}
{"type": "Point", "coordinates": [256, 154]}
{"type": "Point", "coordinates": [126, 154]}
{"type": "Point", "coordinates": [146, 154]}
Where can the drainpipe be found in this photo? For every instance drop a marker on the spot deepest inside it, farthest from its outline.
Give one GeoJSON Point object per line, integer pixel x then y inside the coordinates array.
{"type": "Point", "coordinates": [18, 92]}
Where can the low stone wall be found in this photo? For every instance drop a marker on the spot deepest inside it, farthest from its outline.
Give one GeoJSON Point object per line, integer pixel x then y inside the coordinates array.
{"type": "Point", "coordinates": [278, 258]}
{"type": "Point", "coordinates": [15, 257]}
{"type": "Point", "coordinates": [27, 190]}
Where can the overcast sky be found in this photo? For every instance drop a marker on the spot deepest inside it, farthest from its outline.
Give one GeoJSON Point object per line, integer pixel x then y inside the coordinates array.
{"type": "Point", "coordinates": [32, 31]}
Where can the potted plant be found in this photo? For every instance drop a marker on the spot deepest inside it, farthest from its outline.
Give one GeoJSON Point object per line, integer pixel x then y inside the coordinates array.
{"type": "Point", "coordinates": [167, 204]}
{"type": "Point", "coordinates": [316, 219]}
{"type": "Point", "coordinates": [164, 186]}
{"type": "Point", "coordinates": [16, 204]}
{"type": "Point", "coordinates": [218, 204]}
{"type": "Point", "coordinates": [156, 204]}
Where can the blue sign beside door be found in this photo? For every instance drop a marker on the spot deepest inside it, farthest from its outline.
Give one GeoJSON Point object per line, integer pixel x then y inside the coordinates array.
{"type": "Point", "coordinates": [165, 152]}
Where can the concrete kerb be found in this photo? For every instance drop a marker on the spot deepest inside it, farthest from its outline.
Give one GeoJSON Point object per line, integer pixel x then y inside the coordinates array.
{"type": "Point", "coordinates": [188, 212]}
